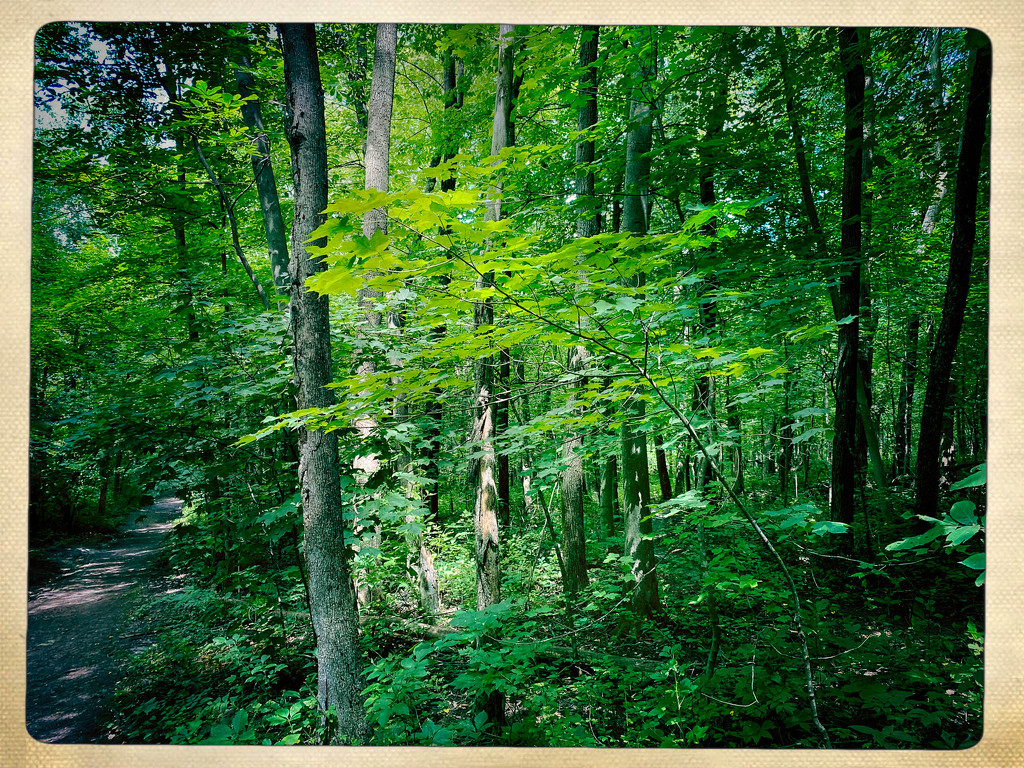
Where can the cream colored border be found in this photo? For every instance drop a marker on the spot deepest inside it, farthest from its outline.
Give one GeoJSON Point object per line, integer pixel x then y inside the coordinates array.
{"type": "Point", "coordinates": [1003, 741]}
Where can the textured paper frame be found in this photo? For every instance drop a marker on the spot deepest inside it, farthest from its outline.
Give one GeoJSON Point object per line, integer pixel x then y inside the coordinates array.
{"type": "Point", "coordinates": [1003, 741]}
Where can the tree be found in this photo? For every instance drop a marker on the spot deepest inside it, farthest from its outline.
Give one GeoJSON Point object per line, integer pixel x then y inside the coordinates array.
{"type": "Point", "coordinates": [266, 182]}
{"type": "Point", "coordinates": [848, 305]}
{"type": "Point", "coordinates": [331, 591]}
{"type": "Point", "coordinates": [636, 478]}
{"type": "Point", "coordinates": [572, 477]}
{"type": "Point", "coordinates": [958, 282]}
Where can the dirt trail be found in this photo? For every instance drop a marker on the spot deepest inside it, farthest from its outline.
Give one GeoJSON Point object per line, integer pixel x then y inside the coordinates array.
{"type": "Point", "coordinates": [76, 630]}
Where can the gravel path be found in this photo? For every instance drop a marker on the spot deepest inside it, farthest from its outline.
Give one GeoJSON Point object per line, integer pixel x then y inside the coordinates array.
{"type": "Point", "coordinates": [76, 630]}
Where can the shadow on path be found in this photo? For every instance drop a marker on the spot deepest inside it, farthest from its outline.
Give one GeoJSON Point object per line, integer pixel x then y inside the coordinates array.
{"type": "Point", "coordinates": [74, 628]}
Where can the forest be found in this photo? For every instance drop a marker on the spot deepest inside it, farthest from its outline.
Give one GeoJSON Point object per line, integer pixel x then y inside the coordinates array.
{"type": "Point", "coordinates": [523, 385]}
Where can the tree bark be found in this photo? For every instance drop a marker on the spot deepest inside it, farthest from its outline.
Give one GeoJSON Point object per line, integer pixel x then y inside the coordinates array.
{"type": "Point", "coordinates": [485, 511]}
{"type": "Point", "coordinates": [905, 406]}
{"type": "Point", "coordinates": [332, 594]}
{"type": "Point", "coordinates": [573, 528]}
{"type": "Point", "coordinates": [636, 479]}
{"type": "Point", "coordinates": [845, 422]}
{"type": "Point", "coordinates": [908, 378]}
{"type": "Point", "coordinates": [868, 322]}
{"type": "Point", "coordinates": [574, 541]}
{"type": "Point", "coordinates": [229, 210]}
{"type": "Point", "coordinates": [958, 282]}
{"type": "Point", "coordinates": [609, 495]}
{"type": "Point", "coordinates": [266, 183]}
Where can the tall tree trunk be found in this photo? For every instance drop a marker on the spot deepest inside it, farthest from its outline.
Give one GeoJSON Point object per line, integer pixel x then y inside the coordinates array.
{"type": "Point", "coordinates": [574, 546]}
{"type": "Point", "coordinates": [331, 592]}
{"type": "Point", "coordinates": [501, 407]}
{"type": "Point", "coordinates": [908, 378]}
{"type": "Point", "coordinates": [905, 406]}
{"type": "Point", "coordinates": [266, 182]}
{"type": "Point", "coordinates": [446, 150]}
{"type": "Point", "coordinates": [845, 423]}
{"type": "Point", "coordinates": [485, 512]}
{"type": "Point", "coordinates": [703, 403]}
{"type": "Point", "coordinates": [101, 504]}
{"type": "Point", "coordinates": [868, 322]}
{"type": "Point", "coordinates": [664, 479]}
{"type": "Point", "coordinates": [573, 529]}
{"type": "Point", "coordinates": [636, 478]}
{"type": "Point", "coordinates": [958, 282]}
{"type": "Point", "coordinates": [376, 160]}
{"type": "Point", "coordinates": [861, 400]}
{"type": "Point", "coordinates": [609, 495]}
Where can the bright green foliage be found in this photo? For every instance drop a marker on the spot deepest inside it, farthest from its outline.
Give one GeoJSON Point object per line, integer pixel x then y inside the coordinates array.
{"type": "Point", "coordinates": [156, 354]}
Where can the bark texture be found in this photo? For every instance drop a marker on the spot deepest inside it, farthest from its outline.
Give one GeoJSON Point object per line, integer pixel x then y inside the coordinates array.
{"type": "Point", "coordinates": [332, 594]}
{"type": "Point", "coordinates": [845, 423]}
{"type": "Point", "coordinates": [636, 480]}
{"type": "Point", "coordinates": [485, 510]}
{"type": "Point", "coordinates": [965, 204]}
{"type": "Point", "coordinates": [266, 183]}
{"type": "Point", "coordinates": [587, 225]}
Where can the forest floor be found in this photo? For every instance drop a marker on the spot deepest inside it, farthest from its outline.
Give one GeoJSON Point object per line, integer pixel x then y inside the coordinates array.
{"type": "Point", "coordinates": [79, 632]}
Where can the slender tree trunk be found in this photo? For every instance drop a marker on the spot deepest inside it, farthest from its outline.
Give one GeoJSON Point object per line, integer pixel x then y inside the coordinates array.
{"type": "Point", "coordinates": [609, 495]}
{"type": "Point", "coordinates": [229, 210]}
{"type": "Point", "coordinates": [664, 479]}
{"type": "Point", "coordinates": [331, 592]}
{"type": "Point", "coordinates": [573, 528]}
{"type": "Point", "coordinates": [101, 504]}
{"type": "Point", "coordinates": [821, 241]}
{"type": "Point", "coordinates": [376, 160]}
{"type": "Point", "coordinates": [908, 378]}
{"type": "Point", "coordinates": [636, 479]}
{"type": "Point", "coordinates": [958, 282]}
{"type": "Point", "coordinates": [703, 403]}
{"type": "Point", "coordinates": [485, 512]}
{"type": "Point", "coordinates": [574, 548]}
{"type": "Point", "coordinates": [266, 183]}
{"type": "Point", "coordinates": [501, 406]}
{"type": "Point", "coordinates": [845, 422]}
{"type": "Point", "coordinates": [868, 322]}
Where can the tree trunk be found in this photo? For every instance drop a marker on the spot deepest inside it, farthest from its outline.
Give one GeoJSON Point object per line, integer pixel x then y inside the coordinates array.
{"type": "Point", "coordinates": [958, 282]}
{"type": "Point", "coordinates": [845, 423]}
{"type": "Point", "coordinates": [905, 405]}
{"type": "Point", "coordinates": [574, 544]}
{"type": "Point", "coordinates": [609, 495]}
{"type": "Point", "coordinates": [447, 148]}
{"type": "Point", "coordinates": [501, 407]}
{"type": "Point", "coordinates": [868, 322]}
{"type": "Point", "coordinates": [664, 479]}
{"type": "Point", "coordinates": [573, 528]}
{"type": "Point", "coordinates": [331, 592]}
{"type": "Point", "coordinates": [908, 379]}
{"type": "Point", "coordinates": [266, 183]}
{"type": "Point", "coordinates": [821, 241]}
{"type": "Point", "coordinates": [101, 504]}
{"type": "Point", "coordinates": [376, 160]}
{"type": "Point", "coordinates": [636, 479]}
{"type": "Point", "coordinates": [485, 511]}
{"type": "Point", "coordinates": [703, 403]}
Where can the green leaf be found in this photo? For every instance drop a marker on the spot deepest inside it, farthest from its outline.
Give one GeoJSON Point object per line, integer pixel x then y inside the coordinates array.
{"type": "Point", "coordinates": [975, 562]}
{"type": "Point", "coordinates": [963, 513]}
{"type": "Point", "coordinates": [803, 437]}
{"type": "Point", "coordinates": [978, 477]}
{"type": "Point", "coordinates": [828, 526]}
